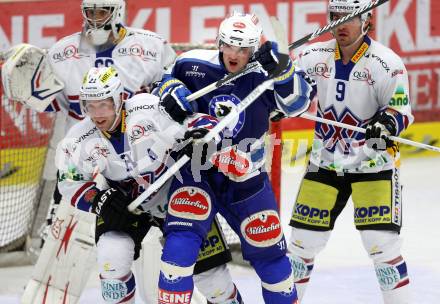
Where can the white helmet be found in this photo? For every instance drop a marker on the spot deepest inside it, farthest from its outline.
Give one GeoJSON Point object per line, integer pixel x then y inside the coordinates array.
{"type": "Point", "coordinates": [99, 84]}
{"type": "Point", "coordinates": [99, 33]}
{"type": "Point", "coordinates": [347, 7]}
{"type": "Point", "coordinates": [242, 30]}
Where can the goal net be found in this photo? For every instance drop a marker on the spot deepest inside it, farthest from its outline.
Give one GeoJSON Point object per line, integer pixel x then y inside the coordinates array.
{"type": "Point", "coordinates": [24, 137]}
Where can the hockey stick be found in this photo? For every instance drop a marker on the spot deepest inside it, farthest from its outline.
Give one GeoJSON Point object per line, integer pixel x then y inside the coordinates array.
{"type": "Point", "coordinates": [362, 130]}
{"type": "Point", "coordinates": [247, 101]}
{"type": "Point", "coordinates": [255, 65]}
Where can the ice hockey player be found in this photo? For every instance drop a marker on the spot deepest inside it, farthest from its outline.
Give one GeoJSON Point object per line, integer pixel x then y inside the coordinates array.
{"type": "Point", "coordinates": [365, 84]}
{"type": "Point", "coordinates": [238, 187]}
{"type": "Point", "coordinates": [130, 143]}
{"type": "Point", "coordinates": [140, 56]}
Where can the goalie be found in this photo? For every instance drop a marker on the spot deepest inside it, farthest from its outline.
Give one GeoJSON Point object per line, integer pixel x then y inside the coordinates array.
{"type": "Point", "coordinates": [130, 143]}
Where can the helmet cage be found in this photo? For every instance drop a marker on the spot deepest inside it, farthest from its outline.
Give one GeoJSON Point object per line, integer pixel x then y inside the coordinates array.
{"type": "Point", "coordinates": [99, 30]}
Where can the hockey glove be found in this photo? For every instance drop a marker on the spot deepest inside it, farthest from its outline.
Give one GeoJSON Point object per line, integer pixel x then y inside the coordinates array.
{"type": "Point", "coordinates": [377, 131]}
{"type": "Point", "coordinates": [198, 127]}
{"type": "Point", "coordinates": [111, 206]}
{"type": "Point", "coordinates": [173, 102]}
{"type": "Point", "coordinates": [269, 58]}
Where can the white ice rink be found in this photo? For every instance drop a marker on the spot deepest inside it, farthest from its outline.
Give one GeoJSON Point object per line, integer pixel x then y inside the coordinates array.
{"type": "Point", "coordinates": [343, 272]}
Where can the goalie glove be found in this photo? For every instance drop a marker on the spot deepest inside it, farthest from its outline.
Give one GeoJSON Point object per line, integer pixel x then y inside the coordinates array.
{"type": "Point", "coordinates": [111, 206]}
{"type": "Point", "coordinates": [377, 131]}
{"type": "Point", "coordinates": [28, 78]}
{"type": "Point", "coordinates": [173, 93]}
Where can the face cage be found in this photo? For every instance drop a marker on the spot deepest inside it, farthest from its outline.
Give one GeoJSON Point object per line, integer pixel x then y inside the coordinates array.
{"type": "Point", "coordinates": [97, 24]}
{"type": "Point", "coordinates": [221, 43]}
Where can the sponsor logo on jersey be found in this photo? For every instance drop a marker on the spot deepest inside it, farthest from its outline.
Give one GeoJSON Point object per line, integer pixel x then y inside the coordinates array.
{"type": "Point", "coordinates": [69, 51]}
{"type": "Point", "coordinates": [364, 75]}
{"type": "Point", "coordinates": [190, 203]}
{"type": "Point", "coordinates": [382, 62]}
{"type": "Point", "coordinates": [262, 229]}
{"type": "Point", "coordinates": [360, 52]}
{"type": "Point", "coordinates": [232, 161]}
{"type": "Point", "coordinates": [174, 297]}
{"type": "Point", "coordinates": [85, 135]}
{"type": "Point", "coordinates": [321, 70]}
{"type": "Point", "coordinates": [136, 50]}
{"type": "Point", "coordinates": [319, 50]}
{"type": "Point", "coordinates": [195, 73]}
{"type": "Point", "coordinates": [140, 131]}
{"type": "Point", "coordinates": [141, 108]}
{"type": "Point", "coordinates": [399, 98]}
{"type": "Point", "coordinates": [217, 106]}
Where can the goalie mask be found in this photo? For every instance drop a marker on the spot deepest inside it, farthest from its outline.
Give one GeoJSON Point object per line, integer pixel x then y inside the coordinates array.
{"type": "Point", "coordinates": [102, 17]}
{"type": "Point", "coordinates": [240, 30]}
{"type": "Point", "coordinates": [100, 84]}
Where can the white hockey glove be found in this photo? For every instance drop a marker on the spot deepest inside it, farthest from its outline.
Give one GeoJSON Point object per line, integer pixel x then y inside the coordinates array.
{"type": "Point", "coordinates": [28, 78]}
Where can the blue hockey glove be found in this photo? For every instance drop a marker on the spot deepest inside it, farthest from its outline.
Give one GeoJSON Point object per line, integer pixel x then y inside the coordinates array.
{"type": "Point", "coordinates": [173, 102]}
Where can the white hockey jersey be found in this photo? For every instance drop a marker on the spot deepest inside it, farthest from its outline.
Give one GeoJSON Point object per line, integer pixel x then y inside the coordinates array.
{"type": "Point", "coordinates": [129, 159]}
{"type": "Point", "coordinates": [140, 58]}
{"type": "Point", "coordinates": [374, 79]}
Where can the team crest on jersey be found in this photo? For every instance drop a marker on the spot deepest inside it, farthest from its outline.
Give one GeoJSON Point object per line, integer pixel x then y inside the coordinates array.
{"type": "Point", "coordinates": [220, 106]}
{"type": "Point", "coordinates": [336, 137]}
{"type": "Point", "coordinates": [190, 203]}
{"type": "Point", "coordinates": [262, 229]}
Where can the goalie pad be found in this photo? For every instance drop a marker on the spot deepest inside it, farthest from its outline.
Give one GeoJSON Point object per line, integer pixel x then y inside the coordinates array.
{"type": "Point", "coordinates": [28, 78]}
{"type": "Point", "coordinates": [66, 260]}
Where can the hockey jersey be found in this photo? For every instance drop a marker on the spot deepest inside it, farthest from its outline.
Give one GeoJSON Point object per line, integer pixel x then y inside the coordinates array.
{"type": "Point", "coordinates": [374, 79]}
{"type": "Point", "coordinates": [140, 57]}
{"type": "Point", "coordinates": [244, 151]}
{"type": "Point", "coordinates": [129, 159]}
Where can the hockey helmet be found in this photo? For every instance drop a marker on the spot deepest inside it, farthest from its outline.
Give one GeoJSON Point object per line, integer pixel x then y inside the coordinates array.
{"type": "Point", "coordinates": [100, 84]}
{"type": "Point", "coordinates": [347, 7]}
{"type": "Point", "coordinates": [99, 26]}
{"type": "Point", "coordinates": [242, 30]}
